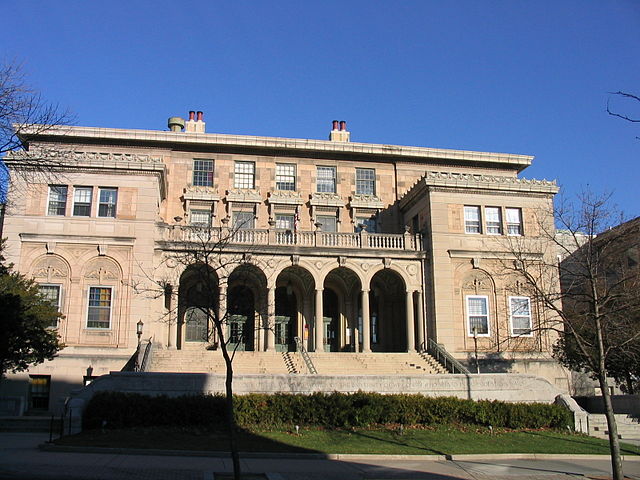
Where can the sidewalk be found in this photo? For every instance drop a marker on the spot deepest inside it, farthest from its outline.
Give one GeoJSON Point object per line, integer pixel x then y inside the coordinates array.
{"type": "Point", "coordinates": [20, 458]}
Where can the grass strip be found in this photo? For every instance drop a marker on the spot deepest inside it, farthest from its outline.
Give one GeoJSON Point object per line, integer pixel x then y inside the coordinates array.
{"type": "Point", "coordinates": [438, 441]}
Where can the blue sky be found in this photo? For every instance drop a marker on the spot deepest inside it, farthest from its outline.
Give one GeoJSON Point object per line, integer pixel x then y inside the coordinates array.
{"type": "Point", "coordinates": [505, 76]}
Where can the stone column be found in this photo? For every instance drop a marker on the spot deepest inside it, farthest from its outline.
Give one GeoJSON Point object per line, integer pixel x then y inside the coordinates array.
{"type": "Point", "coordinates": [411, 334]}
{"type": "Point", "coordinates": [222, 308]}
{"type": "Point", "coordinates": [172, 341]}
{"type": "Point", "coordinates": [270, 334]}
{"type": "Point", "coordinates": [366, 323]}
{"type": "Point", "coordinates": [420, 321]}
{"type": "Point", "coordinates": [319, 325]}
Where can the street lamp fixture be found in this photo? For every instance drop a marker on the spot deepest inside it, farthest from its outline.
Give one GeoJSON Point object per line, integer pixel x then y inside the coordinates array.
{"type": "Point", "coordinates": [475, 348]}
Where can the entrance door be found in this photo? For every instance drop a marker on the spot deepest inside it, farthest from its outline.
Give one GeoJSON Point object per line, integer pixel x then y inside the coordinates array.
{"type": "Point", "coordinates": [241, 321]}
{"type": "Point", "coordinates": [331, 321]}
{"type": "Point", "coordinates": [196, 321]}
{"type": "Point", "coordinates": [286, 319]}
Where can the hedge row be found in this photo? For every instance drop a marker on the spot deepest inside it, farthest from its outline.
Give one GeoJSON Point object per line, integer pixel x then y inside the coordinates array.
{"type": "Point", "coordinates": [336, 410]}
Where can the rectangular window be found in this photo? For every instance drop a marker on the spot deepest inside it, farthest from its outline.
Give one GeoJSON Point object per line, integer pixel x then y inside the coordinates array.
{"type": "Point", "coordinates": [285, 222]}
{"type": "Point", "coordinates": [203, 173]}
{"type": "Point", "coordinates": [493, 219]}
{"type": "Point", "coordinates": [200, 217]}
{"type": "Point", "coordinates": [39, 387]}
{"type": "Point", "coordinates": [368, 223]}
{"type": "Point", "coordinates": [52, 293]}
{"type": "Point", "coordinates": [478, 315]}
{"type": "Point", "coordinates": [57, 200]}
{"type": "Point", "coordinates": [365, 181]}
{"type": "Point", "coordinates": [99, 312]}
{"type": "Point", "coordinates": [329, 223]}
{"type": "Point", "coordinates": [285, 176]}
{"type": "Point", "coordinates": [82, 201]}
{"type": "Point", "coordinates": [243, 220]}
{"type": "Point", "coordinates": [520, 315]}
{"type": "Point", "coordinates": [472, 219]}
{"type": "Point", "coordinates": [326, 180]}
{"type": "Point", "coordinates": [244, 175]}
{"type": "Point", "coordinates": [514, 221]}
{"type": "Point", "coordinates": [107, 202]}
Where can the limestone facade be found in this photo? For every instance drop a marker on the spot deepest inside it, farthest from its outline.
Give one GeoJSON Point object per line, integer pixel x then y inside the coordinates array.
{"type": "Point", "coordinates": [348, 246]}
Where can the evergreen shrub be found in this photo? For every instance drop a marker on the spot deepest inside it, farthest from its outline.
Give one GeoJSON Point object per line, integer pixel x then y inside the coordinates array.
{"type": "Point", "coordinates": [332, 410]}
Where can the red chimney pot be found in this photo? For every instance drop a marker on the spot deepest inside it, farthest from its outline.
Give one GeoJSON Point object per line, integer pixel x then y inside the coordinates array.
{"type": "Point", "coordinates": [191, 115]}
{"type": "Point", "coordinates": [335, 125]}
{"type": "Point", "coordinates": [343, 125]}
{"type": "Point", "coordinates": [200, 114]}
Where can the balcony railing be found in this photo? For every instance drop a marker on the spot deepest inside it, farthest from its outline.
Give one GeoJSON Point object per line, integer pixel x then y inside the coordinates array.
{"type": "Point", "coordinates": [285, 238]}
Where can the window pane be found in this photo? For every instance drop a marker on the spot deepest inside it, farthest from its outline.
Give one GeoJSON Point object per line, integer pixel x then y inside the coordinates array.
{"type": "Point", "coordinates": [326, 180]}
{"type": "Point", "coordinates": [478, 315]}
{"type": "Point", "coordinates": [494, 222]}
{"type": "Point", "coordinates": [82, 201]}
{"type": "Point", "coordinates": [244, 175]}
{"type": "Point", "coordinates": [243, 220]}
{"type": "Point", "coordinates": [365, 181]}
{"type": "Point", "coordinates": [107, 202]}
{"type": "Point", "coordinates": [285, 177]}
{"type": "Point", "coordinates": [203, 173]}
{"type": "Point", "coordinates": [57, 200]}
{"type": "Point", "coordinates": [520, 315]}
{"type": "Point", "coordinates": [52, 294]}
{"type": "Point", "coordinates": [99, 312]}
{"type": "Point", "coordinates": [514, 221]}
{"type": "Point", "coordinates": [200, 217]}
{"type": "Point", "coordinates": [284, 222]}
{"type": "Point", "coordinates": [328, 222]}
{"type": "Point", "coordinates": [472, 219]}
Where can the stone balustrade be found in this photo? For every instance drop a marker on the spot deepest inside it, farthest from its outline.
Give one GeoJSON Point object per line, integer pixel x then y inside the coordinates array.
{"type": "Point", "coordinates": [286, 238]}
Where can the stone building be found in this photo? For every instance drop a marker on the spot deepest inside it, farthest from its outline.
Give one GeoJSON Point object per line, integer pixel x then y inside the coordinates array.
{"type": "Point", "coordinates": [350, 247]}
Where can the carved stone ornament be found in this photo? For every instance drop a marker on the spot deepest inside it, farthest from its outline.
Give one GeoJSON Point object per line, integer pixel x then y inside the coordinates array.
{"type": "Point", "coordinates": [102, 250]}
{"type": "Point", "coordinates": [101, 274]}
{"type": "Point", "coordinates": [49, 272]}
{"type": "Point", "coordinates": [386, 261]}
{"type": "Point", "coordinates": [285, 197]}
{"type": "Point", "coordinates": [51, 247]}
{"type": "Point", "coordinates": [365, 266]}
{"type": "Point", "coordinates": [477, 282]}
{"type": "Point", "coordinates": [246, 257]}
{"type": "Point", "coordinates": [342, 261]}
{"type": "Point", "coordinates": [412, 270]}
{"type": "Point", "coordinates": [475, 261]}
{"type": "Point", "coordinates": [318, 264]}
{"type": "Point", "coordinates": [295, 260]}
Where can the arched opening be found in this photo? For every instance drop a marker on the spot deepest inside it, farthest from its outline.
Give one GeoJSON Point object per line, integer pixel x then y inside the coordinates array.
{"type": "Point", "coordinates": [246, 307]}
{"type": "Point", "coordinates": [388, 312]}
{"type": "Point", "coordinates": [341, 294]}
{"type": "Point", "coordinates": [197, 305]}
{"type": "Point", "coordinates": [293, 307]}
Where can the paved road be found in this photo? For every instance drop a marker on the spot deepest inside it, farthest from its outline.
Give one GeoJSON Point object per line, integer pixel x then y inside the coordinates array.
{"type": "Point", "coordinates": [20, 458]}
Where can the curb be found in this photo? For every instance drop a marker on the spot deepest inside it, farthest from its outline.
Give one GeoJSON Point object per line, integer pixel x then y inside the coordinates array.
{"type": "Point", "coordinates": [330, 456]}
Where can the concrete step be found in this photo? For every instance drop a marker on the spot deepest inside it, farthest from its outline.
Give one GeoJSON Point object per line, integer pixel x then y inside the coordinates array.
{"type": "Point", "coordinates": [29, 424]}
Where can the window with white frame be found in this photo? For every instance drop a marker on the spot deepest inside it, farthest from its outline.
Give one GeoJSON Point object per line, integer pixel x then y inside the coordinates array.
{"type": "Point", "coordinates": [514, 221]}
{"type": "Point", "coordinates": [53, 294]}
{"type": "Point", "coordinates": [285, 176]}
{"type": "Point", "coordinates": [285, 221]}
{"type": "Point", "coordinates": [99, 310]}
{"type": "Point", "coordinates": [520, 315]}
{"type": "Point", "coordinates": [107, 201]}
{"type": "Point", "coordinates": [244, 175]}
{"type": "Point", "coordinates": [472, 219]}
{"type": "Point", "coordinates": [203, 173]}
{"type": "Point", "coordinates": [329, 223]}
{"type": "Point", "coordinates": [478, 315]}
{"type": "Point", "coordinates": [57, 200]}
{"type": "Point", "coordinates": [365, 181]}
{"type": "Point", "coordinates": [326, 180]}
{"type": "Point", "coordinates": [82, 201]}
{"type": "Point", "coordinates": [243, 220]}
{"type": "Point", "coordinates": [200, 217]}
{"type": "Point", "coordinates": [493, 220]}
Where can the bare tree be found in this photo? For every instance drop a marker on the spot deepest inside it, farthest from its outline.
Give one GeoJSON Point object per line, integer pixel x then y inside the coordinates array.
{"type": "Point", "coordinates": [24, 115]}
{"type": "Point", "coordinates": [591, 297]}
{"type": "Point", "coordinates": [200, 260]}
{"type": "Point", "coordinates": [624, 116]}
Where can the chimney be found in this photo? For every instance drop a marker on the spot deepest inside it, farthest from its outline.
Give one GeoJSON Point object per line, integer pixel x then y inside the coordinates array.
{"type": "Point", "coordinates": [175, 124]}
{"type": "Point", "coordinates": [339, 132]}
{"type": "Point", "coordinates": [195, 124]}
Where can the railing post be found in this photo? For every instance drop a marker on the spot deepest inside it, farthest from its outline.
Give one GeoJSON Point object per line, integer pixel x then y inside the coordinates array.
{"type": "Point", "coordinates": [364, 238]}
{"type": "Point", "coordinates": [407, 238]}
{"type": "Point", "coordinates": [272, 233]}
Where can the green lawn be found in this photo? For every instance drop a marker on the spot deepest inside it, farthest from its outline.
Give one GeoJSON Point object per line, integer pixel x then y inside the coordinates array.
{"type": "Point", "coordinates": [439, 440]}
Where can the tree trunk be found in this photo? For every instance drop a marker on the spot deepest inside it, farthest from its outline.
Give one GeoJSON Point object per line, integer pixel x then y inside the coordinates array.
{"type": "Point", "coordinates": [614, 442]}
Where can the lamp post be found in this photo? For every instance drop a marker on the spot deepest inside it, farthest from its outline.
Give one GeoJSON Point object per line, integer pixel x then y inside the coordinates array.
{"type": "Point", "coordinates": [139, 326]}
{"type": "Point", "coordinates": [475, 347]}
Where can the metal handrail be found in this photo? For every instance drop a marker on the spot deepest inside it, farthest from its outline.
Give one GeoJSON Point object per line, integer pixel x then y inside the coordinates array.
{"type": "Point", "coordinates": [146, 358]}
{"type": "Point", "coordinates": [305, 356]}
{"type": "Point", "coordinates": [445, 359]}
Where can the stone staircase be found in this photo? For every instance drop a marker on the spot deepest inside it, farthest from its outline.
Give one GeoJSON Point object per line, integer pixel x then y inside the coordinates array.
{"type": "Point", "coordinates": [335, 363]}
{"type": "Point", "coordinates": [628, 427]}
{"type": "Point", "coordinates": [375, 364]}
